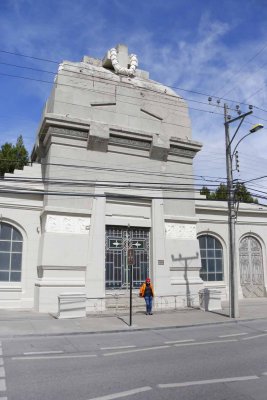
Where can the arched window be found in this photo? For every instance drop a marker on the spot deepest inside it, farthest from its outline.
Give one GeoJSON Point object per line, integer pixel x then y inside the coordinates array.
{"type": "Point", "coordinates": [10, 253]}
{"type": "Point", "coordinates": [211, 253]}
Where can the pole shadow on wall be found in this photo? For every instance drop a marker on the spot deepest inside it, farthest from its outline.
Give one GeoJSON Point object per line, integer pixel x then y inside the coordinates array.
{"type": "Point", "coordinates": [186, 261]}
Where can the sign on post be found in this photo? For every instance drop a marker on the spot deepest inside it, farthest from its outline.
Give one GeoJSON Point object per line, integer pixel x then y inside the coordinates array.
{"type": "Point", "coordinates": [130, 257]}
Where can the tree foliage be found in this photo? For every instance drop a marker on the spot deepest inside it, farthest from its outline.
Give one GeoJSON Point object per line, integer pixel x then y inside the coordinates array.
{"type": "Point", "coordinates": [13, 156]}
{"type": "Point", "coordinates": [241, 193]}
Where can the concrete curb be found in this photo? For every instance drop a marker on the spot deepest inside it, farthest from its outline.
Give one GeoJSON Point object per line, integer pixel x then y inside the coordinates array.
{"type": "Point", "coordinates": [126, 330]}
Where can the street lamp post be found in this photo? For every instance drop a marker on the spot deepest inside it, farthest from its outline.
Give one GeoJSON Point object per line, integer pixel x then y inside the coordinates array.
{"type": "Point", "coordinates": [233, 296]}
{"type": "Point", "coordinates": [233, 279]}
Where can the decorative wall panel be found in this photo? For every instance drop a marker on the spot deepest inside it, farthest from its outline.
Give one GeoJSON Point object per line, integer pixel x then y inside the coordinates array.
{"type": "Point", "coordinates": [180, 231]}
{"type": "Point", "coordinates": [67, 224]}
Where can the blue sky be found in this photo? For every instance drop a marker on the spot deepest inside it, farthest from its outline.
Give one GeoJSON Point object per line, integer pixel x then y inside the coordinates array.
{"type": "Point", "coordinates": [208, 46]}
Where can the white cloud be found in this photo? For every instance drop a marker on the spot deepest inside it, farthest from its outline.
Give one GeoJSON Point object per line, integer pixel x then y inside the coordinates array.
{"type": "Point", "coordinates": [204, 58]}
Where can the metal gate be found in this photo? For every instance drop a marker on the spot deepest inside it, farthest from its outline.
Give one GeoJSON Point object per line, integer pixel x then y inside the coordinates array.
{"type": "Point", "coordinates": [118, 241]}
{"type": "Point", "coordinates": [251, 268]}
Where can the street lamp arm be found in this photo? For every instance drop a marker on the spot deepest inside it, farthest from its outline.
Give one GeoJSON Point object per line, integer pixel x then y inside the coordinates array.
{"type": "Point", "coordinates": [237, 129]}
{"type": "Point", "coordinates": [239, 142]}
{"type": "Point", "coordinates": [242, 117]}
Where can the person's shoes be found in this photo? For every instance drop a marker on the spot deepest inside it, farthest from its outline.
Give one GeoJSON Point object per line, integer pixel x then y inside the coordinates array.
{"type": "Point", "coordinates": [146, 313]}
{"type": "Point", "coordinates": [151, 313]}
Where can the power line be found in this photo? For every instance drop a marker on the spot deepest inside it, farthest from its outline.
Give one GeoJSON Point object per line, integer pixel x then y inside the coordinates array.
{"type": "Point", "coordinates": [107, 80]}
{"type": "Point", "coordinates": [114, 195]}
{"type": "Point", "coordinates": [240, 69]}
{"type": "Point", "coordinates": [96, 195]}
{"type": "Point", "coordinates": [254, 94]}
{"type": "Point", "coordinates": [154, 82]}
{"type": "Point", "coordinates": [127, 171]}
{"type": "Point", "coordinates": [97, 91]}
{"type": "Point", "coordinates": [104, 182]}
{"type": "Point", "coordinates": [27, 56]}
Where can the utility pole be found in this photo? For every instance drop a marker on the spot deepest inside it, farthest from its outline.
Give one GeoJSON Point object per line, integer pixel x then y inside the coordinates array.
{"type": "Point", "coordinates": [233, 296]}
{"type": "Point", "coordinates": [233, 278]}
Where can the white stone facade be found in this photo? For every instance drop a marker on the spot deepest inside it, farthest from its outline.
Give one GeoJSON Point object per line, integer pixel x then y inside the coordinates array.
{"type": "Point", "coordinates": [107, 148]}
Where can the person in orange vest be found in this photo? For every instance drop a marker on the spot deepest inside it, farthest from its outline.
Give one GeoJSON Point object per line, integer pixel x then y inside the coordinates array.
{"type": "Point", "coordinates": [147, 292]}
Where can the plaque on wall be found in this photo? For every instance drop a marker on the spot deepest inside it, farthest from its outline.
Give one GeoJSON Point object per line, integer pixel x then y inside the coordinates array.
{"type": "Point", "coordinates": [180, 231]}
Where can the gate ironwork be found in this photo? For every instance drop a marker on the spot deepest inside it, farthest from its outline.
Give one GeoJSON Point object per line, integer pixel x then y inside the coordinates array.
{"type": "Point", "coordinates": [118, 241]}
{"type": "Point", "coordinates": [251, 268]}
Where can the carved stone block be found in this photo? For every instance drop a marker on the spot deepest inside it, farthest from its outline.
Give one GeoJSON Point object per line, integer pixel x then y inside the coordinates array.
{"type": "Point", "coordinates": [98, 137]}
{"type": "Point", "coordinates": [159, 149]}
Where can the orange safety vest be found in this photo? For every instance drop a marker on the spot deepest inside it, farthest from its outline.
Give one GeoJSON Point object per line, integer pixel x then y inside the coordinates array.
{"type": "Point", "coordinates": [143, 288]}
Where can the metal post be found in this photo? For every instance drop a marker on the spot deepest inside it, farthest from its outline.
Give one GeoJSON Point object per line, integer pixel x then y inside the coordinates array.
{"type": "Point", "coordinates": [126, 261]}
{"type": "Point", "coordinates": [233, 288]}
{"type": "Point", "coordinates": [131, 292]}
{"type": "Point", "coordinates": [129, 263]}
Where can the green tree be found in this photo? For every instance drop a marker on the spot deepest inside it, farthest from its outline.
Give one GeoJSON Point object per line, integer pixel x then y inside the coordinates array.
{"type": "Point", "coordinates": [221, 192]}
{"type": "Point", "coordinates": [205, 191]}
{"type": "Point", "coordinates": [241, 193]}
{"type": "Point", "coordinates": [13, 156]}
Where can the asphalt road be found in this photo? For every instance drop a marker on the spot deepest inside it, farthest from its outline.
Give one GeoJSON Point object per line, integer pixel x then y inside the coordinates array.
{"type": "Point", "coordinates": [226, 361]}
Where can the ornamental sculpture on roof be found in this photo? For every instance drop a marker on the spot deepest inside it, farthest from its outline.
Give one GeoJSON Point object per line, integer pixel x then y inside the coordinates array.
{"type": "Point", "coordinates": [123, 70]}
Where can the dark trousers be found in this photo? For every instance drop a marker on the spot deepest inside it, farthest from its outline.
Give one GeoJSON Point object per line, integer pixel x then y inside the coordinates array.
{"type": "Point", "coordinates": [148, 300]}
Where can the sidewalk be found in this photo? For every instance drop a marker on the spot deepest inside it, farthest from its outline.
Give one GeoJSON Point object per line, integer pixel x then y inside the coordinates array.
{"type": "Point", "coordinates": [21, 322]}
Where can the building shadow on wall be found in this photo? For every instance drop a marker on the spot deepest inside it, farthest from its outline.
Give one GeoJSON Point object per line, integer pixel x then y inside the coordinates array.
{"type": "Point", "coordinates": [186, 261]}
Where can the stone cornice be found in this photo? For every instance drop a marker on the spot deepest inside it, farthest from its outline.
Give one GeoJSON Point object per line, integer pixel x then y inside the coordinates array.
{"type": "Point", "coordinates": [181, 219]}
{"type": "Point", "coordinates": [62, 267]}
{"type": "Point", "coordinates": [99, 136]}
{"type": "Point", "coordinates": [223, 208]}
{"type": "Point", "coordinates": [66, 211]}
{"type": "Point", "coordinates": [22, 206]}
{"type": "Point", "coordinates": [185, 144]}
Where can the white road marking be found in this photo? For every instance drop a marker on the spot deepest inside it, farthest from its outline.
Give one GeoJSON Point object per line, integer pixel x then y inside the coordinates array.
{"type": "Point", "coordinates": [2, 372]}
{"type": "Point", "coordinates": [1, 361]}
{"type": "Point", "coordinates": [207, 382]}
{"type": "Point", "coordinates": [3, 398]}
{"type": "Point", "coordinates": [123, 394]}
{"type": "Point", "coordinates": [30, 353]}
{"type": "Point", "coordinates": [255, 337]}
{"type": "Point", "coordinates": [209, 342]}
{"type": "Point", "coordinates": [22, 358]}
{"type": "Point", "coordinates": [1, 351]}
{"type": "Point", "coordinates": [264, 373]}
{"type": "Point", "coordinates": [136, 350]}
{"type": "Point", "coordinates": [2, 385]}
{"type": "Point", "coordinates": [179, 341]}
{"type": "Point", "coordinates": [233, 334]}
{"type": "Point", "coordinates": [116, 347]}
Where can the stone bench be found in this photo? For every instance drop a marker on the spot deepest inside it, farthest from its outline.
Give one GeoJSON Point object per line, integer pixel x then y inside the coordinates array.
{"type": "Point", "coordinates": [71, 305]}
{"type": "Point", "coordinates": [210, 299]}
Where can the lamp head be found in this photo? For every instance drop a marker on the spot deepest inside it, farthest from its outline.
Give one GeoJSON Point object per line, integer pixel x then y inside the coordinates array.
{"type": "Point", "coordinates": [255, 128]}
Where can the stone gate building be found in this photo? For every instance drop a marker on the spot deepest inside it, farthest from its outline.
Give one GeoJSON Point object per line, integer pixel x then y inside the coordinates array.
{"type": "Point", "coordinates": [112, 171]}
